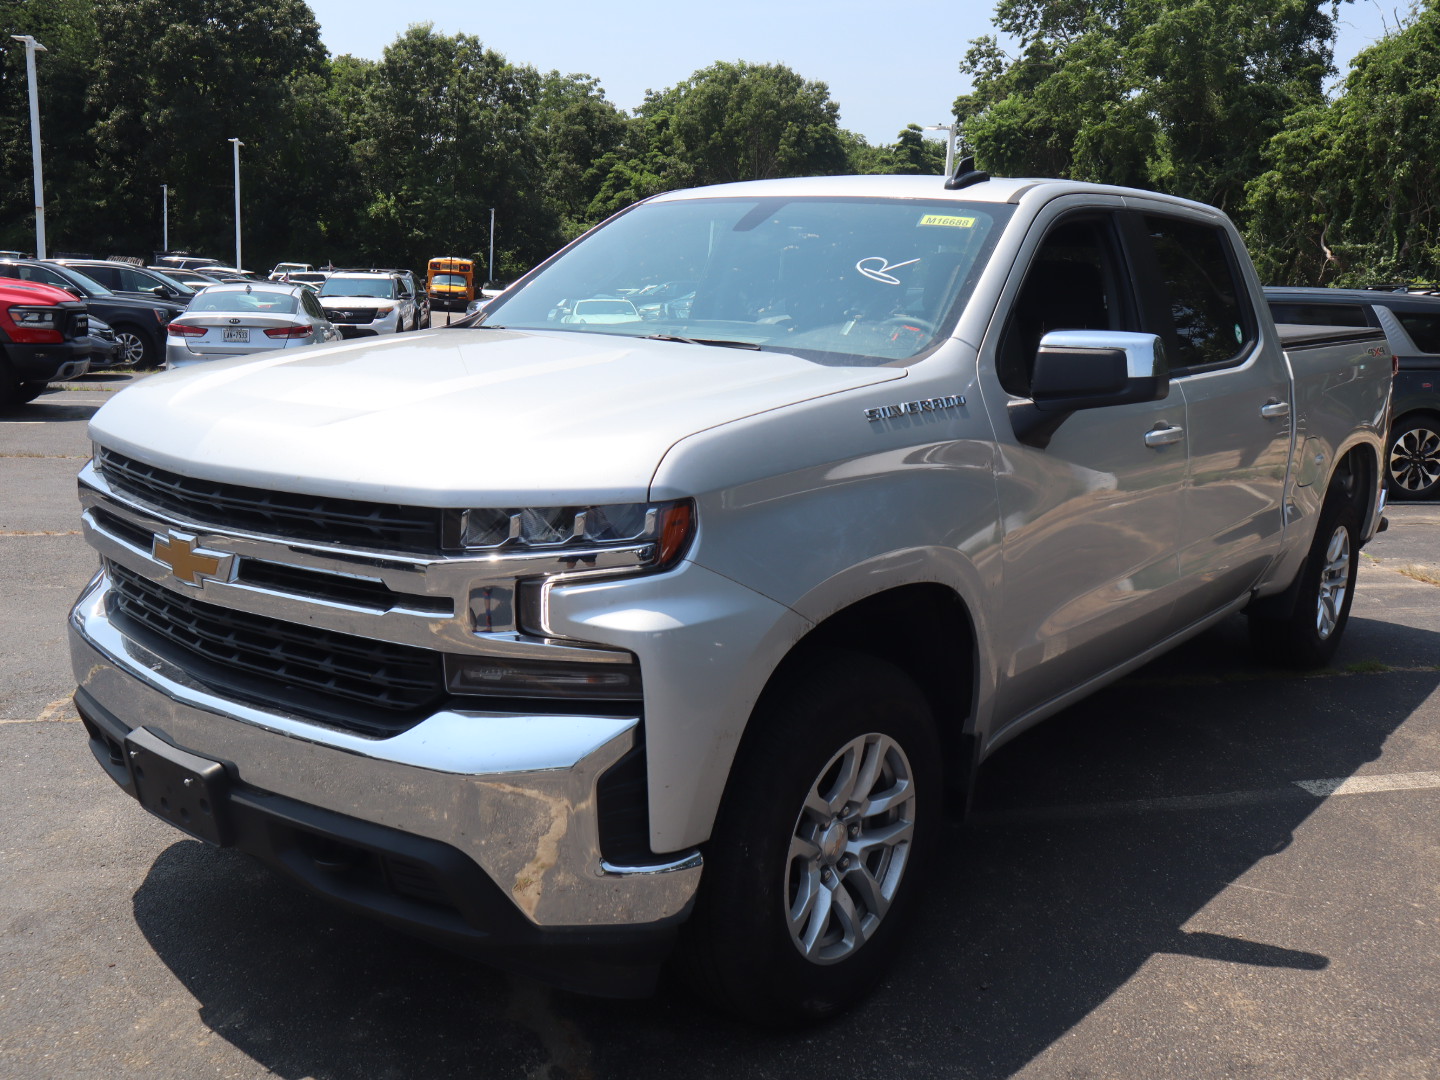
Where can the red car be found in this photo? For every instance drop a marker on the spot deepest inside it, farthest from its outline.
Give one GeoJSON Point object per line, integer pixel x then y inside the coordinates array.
{"type": "Point", "coordinates": [44, 337]}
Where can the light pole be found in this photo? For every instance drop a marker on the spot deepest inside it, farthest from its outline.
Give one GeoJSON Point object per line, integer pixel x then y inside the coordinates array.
{"type": "Point", "coordinates": [237, 144]}
{"type": "Point", "coordinates": [31, 48]}
{"type": "Point", "coordinates": [490, 265]}
{"type": "Point", "coordinates": [165, 218]}
{"type": "Point", "coordinates": [951, 131]}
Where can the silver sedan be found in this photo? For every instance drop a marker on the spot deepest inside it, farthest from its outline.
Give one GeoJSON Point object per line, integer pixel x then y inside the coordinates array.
{"type": "Point", "coordinates": [246, 320]}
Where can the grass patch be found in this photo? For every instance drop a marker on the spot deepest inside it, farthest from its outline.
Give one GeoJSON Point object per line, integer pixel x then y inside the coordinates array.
{"type": "Point", "coordinates": [1428, 577]}
{"type": "Point", "coordinates": [1367, 667]}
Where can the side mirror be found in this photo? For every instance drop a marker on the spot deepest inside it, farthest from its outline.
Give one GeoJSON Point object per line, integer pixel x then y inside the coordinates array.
{"type": "Point", "coordinates": [1088, 369]}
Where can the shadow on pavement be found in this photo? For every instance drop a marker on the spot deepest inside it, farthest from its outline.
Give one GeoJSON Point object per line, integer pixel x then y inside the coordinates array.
{"type": "Point", "coordinates": [50, 411]}
{"type": "Point", "coordinates": [1077, 867]}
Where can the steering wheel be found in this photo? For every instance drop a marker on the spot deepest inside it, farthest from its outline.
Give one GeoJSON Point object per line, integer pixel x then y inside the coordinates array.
{"type": "Point", "coordinates": [909, 322]}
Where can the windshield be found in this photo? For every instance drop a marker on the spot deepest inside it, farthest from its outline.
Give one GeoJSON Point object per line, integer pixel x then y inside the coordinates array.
{"type": "Point", "coordinates": [447, 279]}
{"type": "Point", "coordinates": [358, 287]}
{"type": "Point", "coordinates": [840, 280]}
{"type": "Point", "coordinates": [243, 300]}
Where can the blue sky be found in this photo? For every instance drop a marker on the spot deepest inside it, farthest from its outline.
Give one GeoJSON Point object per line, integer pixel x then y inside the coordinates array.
{"type": "Point", "coordinates": [887, 64]}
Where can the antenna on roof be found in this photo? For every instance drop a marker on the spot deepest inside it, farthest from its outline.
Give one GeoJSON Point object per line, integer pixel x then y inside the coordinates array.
{"type": "Point", "coordinates": [965, 175]}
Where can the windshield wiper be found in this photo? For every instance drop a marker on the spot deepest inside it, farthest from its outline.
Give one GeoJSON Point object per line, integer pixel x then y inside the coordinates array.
{"type": "Point", "coordinates": [720, 342]}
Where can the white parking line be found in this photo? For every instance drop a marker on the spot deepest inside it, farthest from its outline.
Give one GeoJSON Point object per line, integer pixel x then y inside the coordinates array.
{"type": "Point", "coordinates": [1296, 790]}
{"type": "Point", "coordinates": [1361, 785]}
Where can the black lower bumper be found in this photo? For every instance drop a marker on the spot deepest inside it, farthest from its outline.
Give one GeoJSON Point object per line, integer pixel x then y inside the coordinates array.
{"type": "Point", "coordinates": [46, 363]}
{"type": "Point", "coordinates": [413, 883]}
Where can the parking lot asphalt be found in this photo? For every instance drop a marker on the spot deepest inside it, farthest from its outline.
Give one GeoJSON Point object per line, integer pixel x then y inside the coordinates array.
{"type": "Point", "coordinates": [1211, 869]}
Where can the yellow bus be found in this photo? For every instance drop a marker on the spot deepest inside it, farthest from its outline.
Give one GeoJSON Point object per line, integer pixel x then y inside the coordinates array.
{"type": "Point", "coordinates": [450, 282]}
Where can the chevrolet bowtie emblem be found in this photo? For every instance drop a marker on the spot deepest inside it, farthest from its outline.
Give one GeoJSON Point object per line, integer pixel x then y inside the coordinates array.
{"type": "Point", "coordinates": [186, 561]}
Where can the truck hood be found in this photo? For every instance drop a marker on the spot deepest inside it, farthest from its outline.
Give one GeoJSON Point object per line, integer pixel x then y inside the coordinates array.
{"type": "Point", "coordinates": [458, 417]}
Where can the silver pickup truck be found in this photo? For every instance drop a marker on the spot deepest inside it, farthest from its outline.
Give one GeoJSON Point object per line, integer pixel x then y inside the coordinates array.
{"type": "Point", "coordinates": [582, 643]}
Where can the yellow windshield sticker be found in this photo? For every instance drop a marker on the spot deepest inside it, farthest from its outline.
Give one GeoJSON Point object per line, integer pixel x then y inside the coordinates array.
{"type": "Point", "coordinates": [948, 221]}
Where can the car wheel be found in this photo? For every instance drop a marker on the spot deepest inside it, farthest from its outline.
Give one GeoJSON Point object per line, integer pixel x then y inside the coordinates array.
{"type": "Point", "coordinates": [1414, 469]}
{"type": "Point", "coordinates": [821, 843]}
{"type": "Point", "coordinates": [1310, 634]}
{"type": "Point", "coordinates": [135, 349]}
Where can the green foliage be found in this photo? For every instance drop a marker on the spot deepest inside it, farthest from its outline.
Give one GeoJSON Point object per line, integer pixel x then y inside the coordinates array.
{"type": "Point", "coordinates": [1175, 95]}
{"type": "Point", "coordinates": [67, 30]}
{"type": "Point", "coordinates": [1352, 194]}
{"type": "Point", "coordinates": [173, 81]}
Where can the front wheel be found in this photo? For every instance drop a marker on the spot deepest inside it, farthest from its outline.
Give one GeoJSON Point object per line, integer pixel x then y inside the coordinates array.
{"type": "Point", "coordinates": [1414, 459]}
{"type": "Point", "coordinates": [1309, 636]}
{"type": "Point", "coordinates": [821, 843]}
{"type": "Point", "coordinates": [136, 350]}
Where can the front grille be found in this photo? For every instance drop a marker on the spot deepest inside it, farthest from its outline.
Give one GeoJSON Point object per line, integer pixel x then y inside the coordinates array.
{"type": "Point", "coordinates": [373, 687]}
{"type": "Point", "coordinates": [285, 514]}
{"type": "Point", "coordinates": [351, 316]}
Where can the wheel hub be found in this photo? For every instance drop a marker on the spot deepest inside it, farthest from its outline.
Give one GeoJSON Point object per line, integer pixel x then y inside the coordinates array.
{"type": "Point", "coordinates": [849, 848]}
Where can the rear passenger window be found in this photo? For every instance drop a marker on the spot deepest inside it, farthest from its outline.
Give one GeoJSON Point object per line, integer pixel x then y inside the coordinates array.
{"type": "Point", "coordinates": [1202, 291]}
{"type": "Point", "coordinates": [1318, 314]}
{"type": "Point", "coordinates": [1424, 330]}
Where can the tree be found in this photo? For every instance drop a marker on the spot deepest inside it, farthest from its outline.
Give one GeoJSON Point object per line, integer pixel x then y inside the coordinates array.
{"type": "Point", "coordinates": [173, 80]}
{"type": "Point", "coordinates": [67, 30]}
{"type": "Point", "coordinates": [1177, 95]}
{"type": "Point", "coordinates": [1352, 194]}
{"type": "Point", "coordinates": [579, 137]}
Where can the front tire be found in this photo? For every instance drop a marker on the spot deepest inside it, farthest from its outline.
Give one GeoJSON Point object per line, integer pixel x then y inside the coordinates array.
{"type": "Point", "coordinates": [1309, 636]}
{"type": "Point", "coordinates": [821, 843]}
{"type": "Point", "coordinates": [1414, 459]}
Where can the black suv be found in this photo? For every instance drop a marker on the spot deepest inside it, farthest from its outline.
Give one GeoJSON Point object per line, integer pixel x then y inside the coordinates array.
{"type": "Point", "coordinates": [1411, 322]}
{"type": "Point", "coordinates": [128, 280]}
{"type": "Point", "coordinates": [139, 325]}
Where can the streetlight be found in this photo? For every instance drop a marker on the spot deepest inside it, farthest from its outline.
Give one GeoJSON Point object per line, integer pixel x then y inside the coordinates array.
{"type": "Point", "coordinates": [165, 218]}
{"type": "Point", "coordinates": [951, 132]}
{"type": "Point", "coordinates": [31, 48]}
{"type": "Point", "coordinates": [490, 265]}
{"type": "Point", "coordinates": [237, 143]}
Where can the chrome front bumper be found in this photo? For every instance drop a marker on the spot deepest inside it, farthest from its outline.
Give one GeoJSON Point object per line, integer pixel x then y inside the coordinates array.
{"type": "Point", "coordinates": [515, 793]}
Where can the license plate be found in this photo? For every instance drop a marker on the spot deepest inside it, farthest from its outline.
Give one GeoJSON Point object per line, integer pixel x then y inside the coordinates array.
{"type": "Point", "coordinates": [186, 790]}
{"type": "Point", "coordinates": [238, 335]}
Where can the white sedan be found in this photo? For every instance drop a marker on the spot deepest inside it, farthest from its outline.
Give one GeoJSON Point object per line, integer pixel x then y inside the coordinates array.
{"type": "Point", "coordinates": [246, 320]}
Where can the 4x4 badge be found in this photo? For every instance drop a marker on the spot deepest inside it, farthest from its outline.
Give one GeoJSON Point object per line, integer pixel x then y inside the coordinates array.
{"type": "Point", "coordinates": [188, 563]}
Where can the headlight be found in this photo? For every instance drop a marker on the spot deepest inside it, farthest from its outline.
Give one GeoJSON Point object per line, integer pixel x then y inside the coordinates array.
{"type": "Point", "coordinates": [380, 313]}
{"type": "Point", "coordinates": [655, 535]}
{"type": "Point", "coordinates": [36, 318]}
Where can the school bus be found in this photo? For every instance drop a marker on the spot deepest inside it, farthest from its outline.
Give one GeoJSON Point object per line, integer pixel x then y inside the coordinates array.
{"type": "Point", "coordinates": [450, 282]}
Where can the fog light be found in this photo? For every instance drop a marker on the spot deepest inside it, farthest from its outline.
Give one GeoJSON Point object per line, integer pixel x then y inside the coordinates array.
{"type": "Point", "coordinates": [490, 676]}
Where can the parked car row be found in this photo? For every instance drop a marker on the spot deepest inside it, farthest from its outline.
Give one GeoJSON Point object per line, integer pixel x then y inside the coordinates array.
{"type": "Point", "coordinates": [138, 322]}
{"type": "Point", "coordinates": [137, 315]}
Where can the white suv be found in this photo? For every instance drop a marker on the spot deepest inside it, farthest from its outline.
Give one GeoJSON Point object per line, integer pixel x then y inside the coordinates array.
{"type": "Point", "coordinates": [364, 305]}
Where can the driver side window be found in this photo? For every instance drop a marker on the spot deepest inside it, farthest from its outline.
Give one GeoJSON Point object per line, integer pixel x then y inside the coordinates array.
{"type": "Point", "coordinates": [1074, 282]}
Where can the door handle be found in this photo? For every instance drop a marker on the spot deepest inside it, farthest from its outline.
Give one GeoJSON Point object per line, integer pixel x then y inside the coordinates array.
{"type": "Point", "coordinates": [1164, 436]}
{"type": "Point", "coordinates": [1275, 410]}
